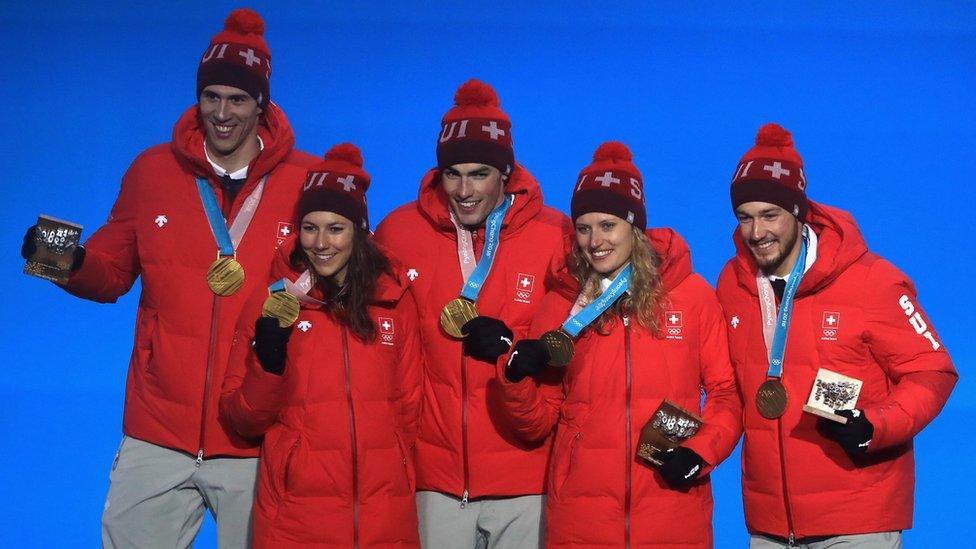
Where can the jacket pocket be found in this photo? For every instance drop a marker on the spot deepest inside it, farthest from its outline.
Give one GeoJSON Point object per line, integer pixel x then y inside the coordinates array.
{"type": "Point", "coordinates": [287, 474]}
{"type": "Point", "coordinates": [563, 464]}
{"type": "Point", "coordinates": [408, 472]}
{"type": "Point", "coordinates": [145, 334]}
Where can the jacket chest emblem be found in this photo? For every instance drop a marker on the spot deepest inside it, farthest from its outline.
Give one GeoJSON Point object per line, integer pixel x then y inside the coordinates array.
{"type": "Point", "coordinates": [734, 322]}
{"type": "Point", "coordinates": [161, 220]}
{"type": "Point", "coordinates": [524, 284]}
{"type": "Point", "coordinates": [829, 325]}
{"type": "Point", "coordinates": [387, 330]}
{"type": "Point", "coordinates": [673, 324]}
{"type": "Point", "coordinates": [412, 274]}
{"type": "Point", "coordinates": [284, 230]}
{"type": "Point", "coordinates": [304, 325]}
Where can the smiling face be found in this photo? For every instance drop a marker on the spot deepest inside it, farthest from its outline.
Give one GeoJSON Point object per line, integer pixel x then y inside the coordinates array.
{"type": "Point", "coordinates": [772, 235]}
{"type": "Point", "coordinates": [605, 240]}
{"type": "Point", "coordinates": [473, 191]}
{"type": "Point", "coordinates": [327, 240]}
{"type": "Point", "coordinates": [230, 121]}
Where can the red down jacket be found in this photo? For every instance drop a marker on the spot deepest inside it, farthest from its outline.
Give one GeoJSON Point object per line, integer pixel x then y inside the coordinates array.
{"type": "Point", "coordinates": [462, 444]}
{"type": "Point", "coordinates": [599, 493]}
{"type": "Point", "coordinates": [336, 468]}
{"type": "Point", "coordinates": [856, 314]}
{"type": "Point", "coordinates": [158, 230]}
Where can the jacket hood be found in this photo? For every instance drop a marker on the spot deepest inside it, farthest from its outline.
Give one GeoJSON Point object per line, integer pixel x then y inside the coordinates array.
{"type": "Point", "coordinates": [432, 201]}
{"type": "Point", "coordinates": [669, 245]}
{"type": "Point", "coordinates": [839, 245]}
{"type": "Point", "coordinates": [390, 287]}
{"type": "Point", "coordinates": [275, 132]}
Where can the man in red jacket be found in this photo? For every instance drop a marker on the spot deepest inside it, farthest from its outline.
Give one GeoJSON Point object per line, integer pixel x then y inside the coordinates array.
{"type": "Point", "coordinates": [231, 158]}
{"type": "Point", "coordinates": [808, 480]}
{"type": "Point", "coordinates": [478, 236]}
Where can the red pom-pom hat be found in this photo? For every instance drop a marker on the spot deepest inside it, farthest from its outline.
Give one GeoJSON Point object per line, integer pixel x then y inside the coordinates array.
{"type": "Point", "coordinates": [338, 184]}
{"type": "Point", "coordinates": [611, 184]}
{"type": "Point", "coordinates": [239, 57]}
{"type": "Point", "coordinates": [476, 130]}
{"type": "Point", "coordinates": [771, 171]}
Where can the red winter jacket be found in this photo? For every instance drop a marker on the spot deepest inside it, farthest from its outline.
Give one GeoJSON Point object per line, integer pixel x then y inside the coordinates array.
{"type": "Point", "coordinates": [336, 468]}
{"type": "Point", "coordinates": [599, 493]}
{"type": "Point", "coordinates": [462, 445]}
{"type": "Point", "coordinates": [856, 314]}
{"type": "Point", "coordinates": [158, 230]}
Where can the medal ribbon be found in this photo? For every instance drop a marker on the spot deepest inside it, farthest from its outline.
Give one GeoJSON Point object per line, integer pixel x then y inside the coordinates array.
{"type": "Point", "coordinates": [575, 323]}
{"type": "Point", "coordinates": [776, 325]}
{"type": "Point", "coordinates": [299, 288]}
{"type": "Point", "coordinates": [227, 240]}
{"type": "Point", "coordinates": [474, 276]}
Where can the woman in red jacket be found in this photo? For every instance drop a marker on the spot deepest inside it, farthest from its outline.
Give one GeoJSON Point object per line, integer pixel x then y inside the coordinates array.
{"type": "Point", "coordinates": [336, 399]}
{"type": "Point", "coordinates": [643, 329]}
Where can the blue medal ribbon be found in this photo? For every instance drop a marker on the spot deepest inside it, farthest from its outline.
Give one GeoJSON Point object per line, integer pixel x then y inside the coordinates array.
{"type": "Point", "coordinates": [785, 313]}
{"type": "Point", "coordinates": [278, 286]}
{"type": "Point", "coordinates": [218, 226]}
{"type": "Point", "coordinates": [575, 324]}
{"type": "Point", "coordinates": [493, 229]}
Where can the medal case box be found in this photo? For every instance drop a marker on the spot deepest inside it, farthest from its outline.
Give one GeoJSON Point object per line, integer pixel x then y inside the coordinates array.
{"type": "Point", "coordinates": [56, 241]}
{"type": "Point", "coordinates": [832, 392]}
{"type": "Point", "coordinates": [668, 427]}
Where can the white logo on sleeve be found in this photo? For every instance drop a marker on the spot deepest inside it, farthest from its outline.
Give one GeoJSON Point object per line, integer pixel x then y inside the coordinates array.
{"type": "Point", "coordinates": [734, 322]}
{"type": "Point", "coordinates": [304, 325]}
{"type": "Point", "coordinates": [412, 274]}
{"type": "Point", "coordinates": [161, 220]}
{"type": "Point", "coordinates": [917, 322]}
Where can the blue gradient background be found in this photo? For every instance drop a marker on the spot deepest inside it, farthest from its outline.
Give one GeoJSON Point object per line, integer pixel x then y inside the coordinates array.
{"type": "Point", "coordinates": [879, 99]}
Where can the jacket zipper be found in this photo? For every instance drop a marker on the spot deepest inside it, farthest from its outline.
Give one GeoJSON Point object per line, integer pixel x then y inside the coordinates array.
{"type": "Point", "coordinates": [630, 450]}
{"type": "Point", "coordinates": [352, 437]}
{"type": "Point", "coordinates": [786, 494]}
{"type": "Point", "coordinates": [464, 429]}
{"type": "Point", "coordinates": [206, 380]}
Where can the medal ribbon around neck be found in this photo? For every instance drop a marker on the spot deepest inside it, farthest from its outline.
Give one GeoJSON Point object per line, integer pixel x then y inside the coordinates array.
{"type": "Point", "coordinates": [776, 325]}
{"type": "Point", "coordinates": [474, 276]}
{"type": "Point", "coordinates": [227, 240]}
{"type": "Point", "coordinates": [578, 321]}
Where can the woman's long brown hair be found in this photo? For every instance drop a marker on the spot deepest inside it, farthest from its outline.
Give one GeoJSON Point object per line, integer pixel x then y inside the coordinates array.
{"type": "Point", "coordinates": [646, 299]}
{"type": "Point", "coordinates": [348, 303]}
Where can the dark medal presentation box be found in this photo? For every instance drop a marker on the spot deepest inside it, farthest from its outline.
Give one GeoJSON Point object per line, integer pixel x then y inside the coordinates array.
{"type": "Point", "coordinates": [668, 428]}
{"type": "Point", "coordinates": [56, 241]}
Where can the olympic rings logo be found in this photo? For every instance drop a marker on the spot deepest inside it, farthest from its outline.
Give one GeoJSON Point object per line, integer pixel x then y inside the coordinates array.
{"type": "Point", "coordinates": [388, 338]}
{"type": "Point", "coordinates": [522, 295]}
{"type": "Point", "coordinates": [830, 333]}
{"type": "Point", "coordinates": [674, 331]}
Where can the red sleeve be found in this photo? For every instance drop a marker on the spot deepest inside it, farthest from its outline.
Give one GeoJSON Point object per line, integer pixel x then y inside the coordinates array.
{"type": "Point", "coordinates": [409, 370]}
{"type": "Point", "coordinates": [905, 344]}
{"type": "Point", "coordinates": [722, 413]}
{"type": "Point", "coordinates": [111, 262]}
{"type": "Point", "coordinates": [532, 405]}
{"type": "Point", "coordinates": [250, 398]}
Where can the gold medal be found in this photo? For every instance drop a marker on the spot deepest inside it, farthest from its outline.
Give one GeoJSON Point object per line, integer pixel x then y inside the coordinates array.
{"type": "Point", "coordinates": [283, 306]}
{"type": "Point", "coordinates": [771, 398]}
{"type": "Point", "coordinates": [225, 276]}
{"type": "Point", "coordinates": [457, 313]}
{"type": "Point", "coordinates": [560, 347]}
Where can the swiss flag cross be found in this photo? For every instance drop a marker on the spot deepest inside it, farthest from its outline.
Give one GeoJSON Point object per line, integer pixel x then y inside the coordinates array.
{"type": "Point", "coordinates": [386, 325]}
{"type": "Point", "coordinates": [285, 229]}
{"type": "Point", "coordinates": [831, 320]}
{"type": "Point", "coordinates": [673, 319]}
{"type": "Point", "coordinates": [525, 282]}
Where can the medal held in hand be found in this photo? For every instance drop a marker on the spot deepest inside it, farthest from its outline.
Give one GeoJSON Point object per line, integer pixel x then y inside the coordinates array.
{"type": "Point", "coordinates": [56, 241]}
{"type": "Point", "coordinates": [460, 310]}
{"type": "Point", "coordinates": [832, 392]}
{"type": "Point", "coordinates": [282, 306]}
{"type": "Point", "coordinates": [457, 313]}
{"type": "Point", "coordinates": [559, 342]}
{"type": "Point", "coordinates": [668, 427]}
{"type": "Point", "coordinates": [226, 275]}
{"type": "Point", "coordinates": [772, 396]}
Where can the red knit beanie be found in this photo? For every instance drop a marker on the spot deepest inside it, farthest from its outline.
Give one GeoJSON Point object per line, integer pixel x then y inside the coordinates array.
{"type": "Point", "coordinates": [476, 130]}
{"type": "Point", "coordinates": [611, 184]}
{"type": "Point", "coordinates": [771, 171]}
{"type": "Point", "coordinates": [238, 56]}
{"type": "Point", "coordinates": [338, 185]}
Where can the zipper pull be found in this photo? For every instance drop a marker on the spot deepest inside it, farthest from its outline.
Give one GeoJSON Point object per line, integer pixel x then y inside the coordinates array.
{"type": "Point", "coordinates": [626, 320]}
{"type": "Point", "coordinates": [199, 460]}
{"type": "Point", "coordinates": [464, 499]}
{"type": "Point", "coordinates": [791, 540]}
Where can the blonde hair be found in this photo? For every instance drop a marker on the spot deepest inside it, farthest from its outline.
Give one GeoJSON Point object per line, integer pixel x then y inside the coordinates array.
{"type": "Point", "coordinates": [646, 298]}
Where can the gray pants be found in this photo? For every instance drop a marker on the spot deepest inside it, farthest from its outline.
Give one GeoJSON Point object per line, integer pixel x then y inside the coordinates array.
{"type": "Point", "coordinates": [879, 540]}
{"type": "Point", "coordinates": [496, 523]}
{"type": "Point", "coordinates": [156, 498]}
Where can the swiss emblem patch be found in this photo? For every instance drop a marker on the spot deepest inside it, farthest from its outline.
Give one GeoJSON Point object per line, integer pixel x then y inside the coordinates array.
{"type": "Point", "coordinates": [283, 232]}
{"type": "Point", "coordinates": [673, 324]}
{"type": "Point", "coordinates": [830, 324]}
{"type": "Point", "coordinates": [387, 330]}
{"type": "Point", "coordinates": [524, 284]}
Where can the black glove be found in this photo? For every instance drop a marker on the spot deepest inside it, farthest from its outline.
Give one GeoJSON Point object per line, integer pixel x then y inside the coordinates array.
{"type": "Point", "coordinates": [681, 466]}
{"type": "Point", "coordinates": [270, 342]}
{"type": "Point", "coordinates": [853, 436]}
{"type": "Point", "coordinates": [529, 357]}
{"type": "Point", "coordinates": [486, 338]}
{"type": "Point", "coordinates": [29, 248]}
